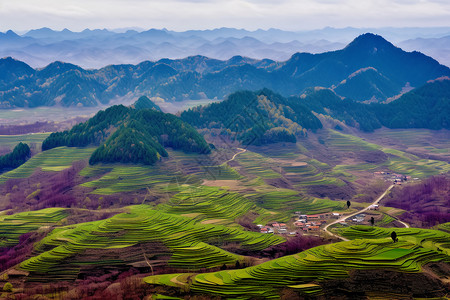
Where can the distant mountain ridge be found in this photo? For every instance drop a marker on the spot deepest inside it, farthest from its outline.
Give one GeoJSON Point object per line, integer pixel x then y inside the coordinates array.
{"type": "Point", "coordinates": [387, 70]}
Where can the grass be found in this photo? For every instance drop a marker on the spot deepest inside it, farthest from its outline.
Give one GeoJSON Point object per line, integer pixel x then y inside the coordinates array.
{"type": "Point", "coordinates": [13, 226]}
{"type": "Point", "coordinates": [302, 271]}
{"type": "Point", "coordinates": [117, 178]}
{"type": "Point", "coordinates": [56, 159]}
{"type": "Point", "coordinates": [187, 240]}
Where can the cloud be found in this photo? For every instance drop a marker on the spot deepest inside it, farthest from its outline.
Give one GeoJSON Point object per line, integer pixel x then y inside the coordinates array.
{"type": "Point", "coordinates": [201, 14]}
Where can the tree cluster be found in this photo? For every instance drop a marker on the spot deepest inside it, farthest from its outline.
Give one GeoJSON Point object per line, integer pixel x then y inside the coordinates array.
{"type": "Point", "coordinates": [17, 157]}
{"type": "Point", "coordinates": [129, 135]}
{"type": "Point", "coordinates": [256, 118]}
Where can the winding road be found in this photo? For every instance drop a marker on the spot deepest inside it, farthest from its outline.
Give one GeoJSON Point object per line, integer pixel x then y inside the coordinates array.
{"type": "Point", "coordinates": [343, 218]}
{"type": "Point", "coordinates": [234, 156]}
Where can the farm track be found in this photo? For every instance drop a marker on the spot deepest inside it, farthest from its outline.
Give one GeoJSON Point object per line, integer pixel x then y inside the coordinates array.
{"type": "Point", "coordinates": [342, 219]}
{"type": "Point", "coordinates": [236, 154]}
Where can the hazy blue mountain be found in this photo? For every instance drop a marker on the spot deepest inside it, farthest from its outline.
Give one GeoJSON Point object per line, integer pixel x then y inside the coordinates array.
{"type": "Point", "coordinates": [369, 67]}
{"type": "Point", "coordinates": [438, 48]}
{"type": "Point", "coordinates": [367, 84]}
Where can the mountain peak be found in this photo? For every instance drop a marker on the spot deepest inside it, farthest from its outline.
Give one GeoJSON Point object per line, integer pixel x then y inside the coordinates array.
{"type": "Point", "coordinates": [369, 41]}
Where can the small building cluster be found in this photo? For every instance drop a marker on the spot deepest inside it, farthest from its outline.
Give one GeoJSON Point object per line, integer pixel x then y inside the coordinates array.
{"type": "Point", "coordinates": [395, 178]}
{"type": "Point", "coordinates": [304, 223]}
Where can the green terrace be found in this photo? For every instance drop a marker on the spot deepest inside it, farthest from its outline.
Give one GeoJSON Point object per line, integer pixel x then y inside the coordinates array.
{"type": "Point", "coordinates": [398, 161]}
{"type": "Point", "coordinates": [53, 160]}
{"type": "Point", "coordinates": [348, 143]}
{"type": "Point", "coordinates": [257, 165]}
{"type": "Point", "coordinates": [13, 226]}
{"type": "Point", "coordinates": [308, 174]}
{"type": "Point", "coordinates": [287, 200]}
{"type": "Point", "coordinates": [118, 178]}
{"type": "Point", "coordinates": [434, 239]}
{"type": "Point", "coordinates": [304, 270]}
{"type": "Point", "coordinates": [32, 138]}
{"type": "Point", "coordinates": [444, 227]}
{"type": "Point", "coordinates": [61, 253]}
{"type": "Point", "coordinates": [213, 203]}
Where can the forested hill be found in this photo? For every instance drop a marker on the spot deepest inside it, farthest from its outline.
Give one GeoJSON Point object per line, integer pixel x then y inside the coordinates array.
{"type": "Point", "coordinates": [369, 68]}
{"type": "Point", "coordinates": [265, 117]}
{"type": "Point", "coordinates": [144, 102]}
{"type": "Point", "coordinates": [129, 135]}
{"type": "Point", "coordinates": [425, 107]}
{"type": "Point", "coordinates": [255, 117]}
{"type": "Point", "coordinates": [17, 157]}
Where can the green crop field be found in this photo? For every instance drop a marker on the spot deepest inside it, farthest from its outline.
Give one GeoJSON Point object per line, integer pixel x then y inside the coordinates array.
{"type": "Point", "coordinates": [444, 227]}
{"type": "Point", "coordinates": [56, 159]}
{"type": "Point", "coordinates": [435, 239]}
{"type": "Point", "coordinates": [118, 178]}
{"type": "Point", "coordinates": [214, 203]}
{"type": "Point", "coordinates": [308, 175]}
{"type": "Point", "coordinates": [257, 165]}
{"type": "Point", "coordinates": [398, 161]}
{"type": "Point", "coordinates": [187, 240]}
{"type": "Point", "coordinates": [348, 143]}
{"type": "Point", "coordinates": [13, 226]}
{"type": "Point", "coordinates": [220, 172]}
{"type": "Point", "coordinates": [32, 138]}
{"type": "Point", "coordinates": [291, 201]}
{"type": "Point", "coordinates": [302, 271]}
{"type": "Point", "coordinates": [421, 168]}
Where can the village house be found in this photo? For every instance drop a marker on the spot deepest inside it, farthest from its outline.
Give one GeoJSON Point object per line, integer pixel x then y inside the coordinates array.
{"type": "Point", "coordinates": [314, 228]}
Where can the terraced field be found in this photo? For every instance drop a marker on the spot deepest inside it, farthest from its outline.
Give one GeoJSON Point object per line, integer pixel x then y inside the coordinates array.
{"type": "Point", "coordinates": [116, 178]}
{"type": "Point", "coordinates": [12, 140]}
{"type": "Point", "coordinates": [348, 143]}
{"type": "Point", "coordinates": [302, 271]}
{"type": "Point", "coordinates": [420, 168]}
{"type": "Point", "coordinates": [434, 239]}
{"type": "Point", "coordinates": [291, 201]}
{"type": "Point", "coordinates": [257, 165]}
{"type": "Point", "coordinates": [308, 175]}
{"type": "Point", "coordinates": [53, 160]}
{"type": "Point", "coordinates": [398, 161]}
{"type": "Point", "coordinates": [220, 172]}
{"type": "Point", "coordinates": [187, 240]}
{"type": "Point", "coordinates": [13, 226]}
{"type": "Point", "coordinates": [204, 202]}
{"type": "Point", "coordinates": [445, 227]}
{"type": "Point", "coordinates": [417, 140]}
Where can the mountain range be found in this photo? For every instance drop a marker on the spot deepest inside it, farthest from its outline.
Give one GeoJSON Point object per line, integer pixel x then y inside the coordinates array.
{"type": "Point", "coordinates": [368, 69]}
{"type": "Point", "coordinates": [98, 48]}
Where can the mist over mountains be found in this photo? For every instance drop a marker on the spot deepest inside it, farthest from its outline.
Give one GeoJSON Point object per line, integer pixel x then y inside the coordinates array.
{"type": "Point", "coordinates": [99, 48]}
{"type": "Point", "coordinates": [368, 69]}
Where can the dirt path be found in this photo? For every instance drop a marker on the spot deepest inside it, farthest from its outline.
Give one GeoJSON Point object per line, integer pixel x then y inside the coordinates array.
{"type": "Point", "coordinates": [236, 154]}
{"type": "Point", "coordinates": [359, 212]}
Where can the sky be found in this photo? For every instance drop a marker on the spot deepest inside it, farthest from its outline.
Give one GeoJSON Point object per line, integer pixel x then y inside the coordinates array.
{"type": "Point", "coordinates": [181, 15]}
